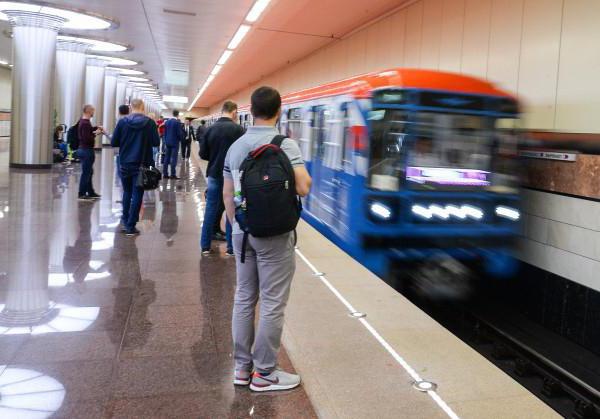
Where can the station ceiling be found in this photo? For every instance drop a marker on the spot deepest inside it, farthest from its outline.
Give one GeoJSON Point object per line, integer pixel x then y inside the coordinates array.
{"type": "Point", "coordinates": [180, 41]}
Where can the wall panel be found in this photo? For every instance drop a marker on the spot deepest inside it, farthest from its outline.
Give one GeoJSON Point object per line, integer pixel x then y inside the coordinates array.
{"type": "Point", "coordinates": [476, 37]}
{"type": "Point", "coordinates": [538, 71]}
{"type": "Point", "coordinates": [453, 13]}
{"type": "Point", "coordinates": [505, 43]}
{"type": "Point", "coordinates": [578, 86]}
{"type": "Point", "coordinates": [412, 40]}
{"type": "Point", "coordinates": [398, 32]}
{"type": "Point", "coordinates": [431, 34]}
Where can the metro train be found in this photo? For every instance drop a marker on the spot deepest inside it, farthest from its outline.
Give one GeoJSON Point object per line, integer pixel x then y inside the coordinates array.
{"type": "Point", "coordinates": [410, 166]}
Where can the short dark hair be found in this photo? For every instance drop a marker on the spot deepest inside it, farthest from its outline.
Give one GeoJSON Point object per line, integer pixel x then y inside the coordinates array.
{"type": "Point", "coordinates": [175, 113]}
{"type": "Point", "coordinates": [229, 106]}
{"type": "Point", "coordinates": [266, 102]}
{"type": "Point", "coordinates": [124, 110]}
{"type": "Point", "coordinates": [203, 122]}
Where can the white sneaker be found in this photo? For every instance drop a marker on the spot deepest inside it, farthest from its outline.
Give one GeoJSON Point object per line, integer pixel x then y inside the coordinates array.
{"type": "Point", "coordinates": [242, 377]}
{"type": "Point", "coordinates": [277, 380]}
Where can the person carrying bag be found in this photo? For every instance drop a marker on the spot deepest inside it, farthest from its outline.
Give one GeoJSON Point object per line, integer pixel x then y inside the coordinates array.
{"type": "Point", "coordinates": [135, 135]}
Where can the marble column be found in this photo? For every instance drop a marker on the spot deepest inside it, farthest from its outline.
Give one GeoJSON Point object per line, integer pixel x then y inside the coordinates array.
{"type": "Point", "coordinates": [94, 90]}
{"type": "Point", "coordinates": [34, 58]}
{"type": "Point", "coordinates": [70, 81]}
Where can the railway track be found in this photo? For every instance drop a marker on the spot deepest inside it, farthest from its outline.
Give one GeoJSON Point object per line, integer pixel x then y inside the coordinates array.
{"type": "Point", "coordinates": [560, 373]}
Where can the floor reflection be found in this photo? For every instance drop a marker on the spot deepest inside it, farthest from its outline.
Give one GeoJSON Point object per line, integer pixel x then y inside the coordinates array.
{"type": "Point", "coordinates": [28, 394]}
{"type": "Point", "coordinates": [116, 326]}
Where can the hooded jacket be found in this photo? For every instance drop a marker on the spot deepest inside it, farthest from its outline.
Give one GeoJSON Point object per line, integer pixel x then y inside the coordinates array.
{"type": "Point", "coordinates": [130, 134]}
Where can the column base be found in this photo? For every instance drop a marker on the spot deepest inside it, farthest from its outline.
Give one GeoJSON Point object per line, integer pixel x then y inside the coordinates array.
{"type": "Point", "coordinates": [30, 166]}
{"type": "Point", "coordinates": [10, 318]}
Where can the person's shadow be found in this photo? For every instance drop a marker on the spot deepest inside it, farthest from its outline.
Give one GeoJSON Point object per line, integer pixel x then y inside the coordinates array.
{"type": "Point", "coordinates": [169, 221]}
{"type": "Point", "coordinates": [76, 259]}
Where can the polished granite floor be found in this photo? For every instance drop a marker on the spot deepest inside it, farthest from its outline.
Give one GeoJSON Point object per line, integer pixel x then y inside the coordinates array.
{"type": "Point", "coordinates": [94, 324]}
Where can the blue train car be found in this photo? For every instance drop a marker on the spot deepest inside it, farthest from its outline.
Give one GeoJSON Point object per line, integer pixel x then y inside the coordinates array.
{"type": "Point", "coordinates": [408, 165]}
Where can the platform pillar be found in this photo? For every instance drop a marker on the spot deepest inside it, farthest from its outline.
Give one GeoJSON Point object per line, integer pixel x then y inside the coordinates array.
{"type": "Point", "coordinates": [70, 81]}
{"type": "Point", "coordinates": [34, 58]}
{"type": "Point", "coordinates": [94, 90]}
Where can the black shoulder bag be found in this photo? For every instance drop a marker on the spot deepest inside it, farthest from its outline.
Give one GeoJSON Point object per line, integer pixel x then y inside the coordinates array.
{"type": "Point", "coordinates": [149, 176]}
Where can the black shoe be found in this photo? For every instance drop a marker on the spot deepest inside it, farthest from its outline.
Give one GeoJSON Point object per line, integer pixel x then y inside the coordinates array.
{"type": "Point", "coordinates": [94, 196]}
{"type": "Point", "coordinates": [85, 198]}
{"type": "Point", "coordinates": [132, 232]}
{"type": "Point", "coordinates": [175, 177]}
{"type": "Point", "coordinates": [166, 177]}
{"type": "Point", "coordinates": [218, 237]}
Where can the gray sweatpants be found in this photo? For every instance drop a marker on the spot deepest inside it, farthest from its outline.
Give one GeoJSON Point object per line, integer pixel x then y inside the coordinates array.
{"type": "Point", "coordinates": [267, 273]}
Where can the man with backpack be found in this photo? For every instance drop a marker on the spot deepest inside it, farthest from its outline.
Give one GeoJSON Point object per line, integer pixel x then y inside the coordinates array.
{"type": "Point", "coordinates": [264, 177]}
{"type": "Point", "coordinates": [135, 135]}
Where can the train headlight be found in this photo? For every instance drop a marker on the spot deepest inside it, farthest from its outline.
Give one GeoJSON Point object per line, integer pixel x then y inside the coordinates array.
{"type": "Point", "coordinates": [447, 212]}
{"type": "Point", "coordinates": [507, 212]}
{"type": "Point", "coordinates": [380, 210]}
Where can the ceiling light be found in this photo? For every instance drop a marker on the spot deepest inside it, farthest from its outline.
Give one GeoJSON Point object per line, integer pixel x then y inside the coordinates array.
{"type": "Point", "coordinates": [127, 71]}
{"type": "Point", "coordinates": [216, 70]}
{"type": "Point", "coordinates": [75, 19]}
{"type": "Point", "coordinates": [176, 99]}
{"type": "Point", "coordinates": [114, 60]}
{"type": "Point", "coordinates": [2, 62]}
{"type": "Point", "coordinates": [224, 57]}
{"type": "Point", "coordinates": [143, 84]}
{"type": "Point", "coordinates": [137, 78]}
{"type": "Point", "coordinates": [95, 45]}
{"type": "Point", "coordinates": [239, 35]}
{"type": "Point", "coordinates": [257, 10]}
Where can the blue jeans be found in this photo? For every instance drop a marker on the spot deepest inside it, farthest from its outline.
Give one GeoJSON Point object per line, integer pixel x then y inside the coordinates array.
{"type": "Point", "coordinates": [170, 159]}
{"type": "Point", "coordinates": [87, 158]}
{"type": "Point", "coordinates": [214, 196]}
{"type": "Point", "coordinates": [132, 195]}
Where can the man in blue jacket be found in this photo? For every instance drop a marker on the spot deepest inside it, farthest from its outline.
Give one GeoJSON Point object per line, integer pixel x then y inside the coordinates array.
{"type": "Point", "coordinates": [135, 135]}
{"type": "Point", "coordinates": [174, 136]}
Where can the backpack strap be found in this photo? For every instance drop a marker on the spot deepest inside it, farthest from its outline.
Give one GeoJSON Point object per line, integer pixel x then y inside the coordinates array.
{"type": "Point", "coordinates": [244, 244]}
{"type": "Point", "coordinates": [278, 140]}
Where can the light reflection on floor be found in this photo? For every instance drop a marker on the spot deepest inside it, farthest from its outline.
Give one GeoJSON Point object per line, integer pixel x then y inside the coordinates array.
{"type": "Point", "coordinates": [28, 394]}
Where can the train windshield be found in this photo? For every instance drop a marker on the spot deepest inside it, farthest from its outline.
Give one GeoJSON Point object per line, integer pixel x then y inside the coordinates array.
{"type": "Point", "coordinates": [450, 150]}
{"type": "Point", "coordinates": [437, 150]}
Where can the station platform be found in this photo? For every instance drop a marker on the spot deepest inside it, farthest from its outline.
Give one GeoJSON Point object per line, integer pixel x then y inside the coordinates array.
{"type": "Point", "coordinates": [102, 325]}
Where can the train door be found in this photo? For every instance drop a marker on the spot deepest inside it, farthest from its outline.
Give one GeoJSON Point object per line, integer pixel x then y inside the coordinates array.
{"type": "Point", "coordinates": [323, 167]}
{"type": "Point", "coordinates": [343, 174]}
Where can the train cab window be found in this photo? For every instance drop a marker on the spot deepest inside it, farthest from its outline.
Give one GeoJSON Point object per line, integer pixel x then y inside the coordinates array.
{"type": "Point", "coordinates": [294, 123]}
{"type": "Point", "coordinates": [320, 128]}
{"type": "Point", "coordinates": [387, 148]}
{"type": "Point", "coordinates": [450, 150]}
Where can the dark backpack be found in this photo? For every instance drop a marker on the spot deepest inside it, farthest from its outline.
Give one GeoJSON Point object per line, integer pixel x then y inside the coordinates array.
{"type": "Point", "coordinates": [73, 136]}
{"type": "Point", "coordinates": [269, 205]}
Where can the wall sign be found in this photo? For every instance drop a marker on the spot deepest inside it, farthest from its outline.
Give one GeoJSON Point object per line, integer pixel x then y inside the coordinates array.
{"type": "Point", "coordinates": [548, 155]}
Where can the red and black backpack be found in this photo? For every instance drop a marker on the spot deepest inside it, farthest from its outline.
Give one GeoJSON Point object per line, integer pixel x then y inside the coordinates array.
{"type": "Point", "coordinates": [269, 205]}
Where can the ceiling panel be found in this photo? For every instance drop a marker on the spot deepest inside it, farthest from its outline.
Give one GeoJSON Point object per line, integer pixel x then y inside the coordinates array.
{"type": "Point", "coordinates": [179, 48]}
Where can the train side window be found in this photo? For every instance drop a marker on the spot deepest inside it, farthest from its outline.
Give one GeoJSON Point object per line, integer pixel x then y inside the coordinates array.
{"type": "Point", "coordinates": [346, 136]}
{"type": "Point", "coordinates": [319, 130]}
{"type": "Point", "coordinates": [294, 124]}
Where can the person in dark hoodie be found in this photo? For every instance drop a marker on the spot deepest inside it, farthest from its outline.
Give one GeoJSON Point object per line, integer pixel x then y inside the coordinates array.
{"type": "Point", "coordinates": [132, 134]}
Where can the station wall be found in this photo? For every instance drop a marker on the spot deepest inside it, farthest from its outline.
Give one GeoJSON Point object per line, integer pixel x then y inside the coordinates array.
{"type": "Point", "coordinates": [543, 50]}
{"type": "Point", "coordinates": [5, 88]}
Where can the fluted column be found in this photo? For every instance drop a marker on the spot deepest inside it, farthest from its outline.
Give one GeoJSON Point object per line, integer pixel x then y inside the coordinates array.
{"type": "Point", "coordinates": [94, 90]}
{"type": "Point", "coordinates": [121, 94]}
{"type": "Point", "coordinates": [34, 57]}
{"type": "Point", "coordinates": [70, 81]}
{"type": "Point", "coordinates": [110, 100]}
